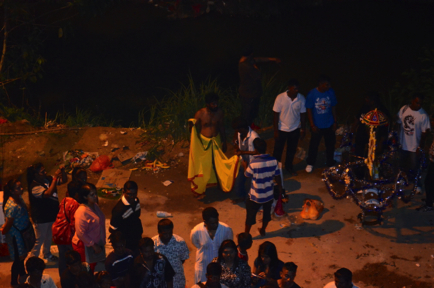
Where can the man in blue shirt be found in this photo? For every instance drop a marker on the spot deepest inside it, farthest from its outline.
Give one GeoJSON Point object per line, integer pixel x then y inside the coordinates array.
{"type": "Point", "coordinates": [320, 106]}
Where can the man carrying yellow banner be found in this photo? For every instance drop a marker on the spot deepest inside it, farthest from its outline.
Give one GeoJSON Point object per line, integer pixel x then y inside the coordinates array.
{"type": "Point", "coordinates": [208, 165]}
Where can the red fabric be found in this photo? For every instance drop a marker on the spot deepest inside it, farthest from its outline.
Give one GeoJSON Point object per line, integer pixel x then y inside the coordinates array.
{"type": "Point", "coordinates": [79, 247]}
{"type": "Point", "coordinates": [101, 163]}
{"type": "Point", "coordinates": [62, 230]}
{"type": "Point", "coordinates": [278, 210]}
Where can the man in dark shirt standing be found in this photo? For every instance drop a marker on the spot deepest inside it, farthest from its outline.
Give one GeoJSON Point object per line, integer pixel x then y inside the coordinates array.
{"type": "Point", "coordinates": [251, 83]}
{"type": "Point", "coordinates": [126, 216]}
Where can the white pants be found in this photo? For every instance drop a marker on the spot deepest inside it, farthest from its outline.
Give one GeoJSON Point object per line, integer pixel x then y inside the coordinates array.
{"type": "Point", "coordinates": [43, 237]}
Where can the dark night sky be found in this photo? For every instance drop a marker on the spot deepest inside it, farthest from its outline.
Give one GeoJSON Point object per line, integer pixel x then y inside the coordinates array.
{"type": "Point", "coordinates": [132, 52]}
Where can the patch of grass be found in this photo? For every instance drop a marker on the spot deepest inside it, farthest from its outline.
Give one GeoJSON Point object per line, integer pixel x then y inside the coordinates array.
{"type": "Point", "coordinates": [83, 118]}
{"type": "Point", "coordinates": [13, 114]}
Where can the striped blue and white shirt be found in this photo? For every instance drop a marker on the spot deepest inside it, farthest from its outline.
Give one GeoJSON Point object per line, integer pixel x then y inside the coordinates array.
{"type": "Point", "coordinates": [262, 169]}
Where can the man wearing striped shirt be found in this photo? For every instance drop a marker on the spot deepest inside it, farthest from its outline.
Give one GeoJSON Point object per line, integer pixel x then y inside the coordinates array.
{"type": "Point", "coordinates": [263, 169]}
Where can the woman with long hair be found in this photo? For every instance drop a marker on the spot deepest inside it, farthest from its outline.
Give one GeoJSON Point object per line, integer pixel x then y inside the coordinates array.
{"type": "Point", "coordinates": [89, 238]}
{"type": "Point", "coordinates": [267, 264]}
{"type": "Point", "coordinates": [17, 219]}
{"type": "Point", "coordinates": [236, 273]}
{"type": "Point", "coordinates": [44, 205]}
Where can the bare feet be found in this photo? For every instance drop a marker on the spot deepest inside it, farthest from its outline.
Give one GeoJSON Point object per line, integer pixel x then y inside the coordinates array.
{"type": "Point", "coordinates": [261, 231]}
{"type": "Point", "coordinates": [199, 196]}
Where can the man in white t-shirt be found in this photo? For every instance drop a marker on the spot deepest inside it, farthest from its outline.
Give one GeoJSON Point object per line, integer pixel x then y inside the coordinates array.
{"type": "Point", "coordinates": [343, 279]}
{"type": "Point", "coordinates": [413, 126]}
{"type": "Point", "coordinates": [289, 122]}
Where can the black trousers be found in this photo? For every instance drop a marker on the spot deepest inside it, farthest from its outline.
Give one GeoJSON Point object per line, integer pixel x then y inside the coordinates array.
{"type": "Point", "coordinates": [291, 138]}
{"type": "Point", "coordinates": [429, 185]}
{"type": "Point", "coordinates": [249, 108]}
{"type": "Point", "coordinates": [329, 141]}
{"type": "Point", "coordinates": [252, 209]}
{"type": "Point", "coordinates": [17, 268]}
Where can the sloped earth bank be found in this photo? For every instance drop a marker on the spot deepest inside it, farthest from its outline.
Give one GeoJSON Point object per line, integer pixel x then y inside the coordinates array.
{"type": "Point", "coordinates": [399, 253]}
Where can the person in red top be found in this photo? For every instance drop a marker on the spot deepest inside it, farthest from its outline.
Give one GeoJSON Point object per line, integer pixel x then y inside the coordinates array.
{"type": "Point", "coordinates": [63, 228]}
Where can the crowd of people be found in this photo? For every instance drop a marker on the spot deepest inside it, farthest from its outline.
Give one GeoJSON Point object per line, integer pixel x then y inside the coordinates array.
{"type": "Point", "coordinates": [77, 224]}
{"type": "Point", "coordinates": [78, 229]}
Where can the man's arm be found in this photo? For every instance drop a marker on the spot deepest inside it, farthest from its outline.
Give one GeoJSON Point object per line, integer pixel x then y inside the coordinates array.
{"type": "Point", "coordinates": [310, 116]}
{"type": "Point", "coordinates": [49, 192]}
{"type": "Point", "coordinates": [303, 125]}
{"type": "Point", "coordinates": [276, 124]}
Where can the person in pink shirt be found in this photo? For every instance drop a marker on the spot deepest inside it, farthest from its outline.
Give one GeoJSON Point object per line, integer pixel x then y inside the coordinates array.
{"type": "Point", "coordinates": [90, 235]}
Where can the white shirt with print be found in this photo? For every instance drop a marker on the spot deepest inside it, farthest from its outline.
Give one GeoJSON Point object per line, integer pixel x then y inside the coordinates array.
{"type": "Point", "coordinates": [413, 124]}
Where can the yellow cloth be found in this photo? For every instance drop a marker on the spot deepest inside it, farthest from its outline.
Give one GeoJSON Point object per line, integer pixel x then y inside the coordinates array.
{"type": "Point", "coordinates": [201, 172]}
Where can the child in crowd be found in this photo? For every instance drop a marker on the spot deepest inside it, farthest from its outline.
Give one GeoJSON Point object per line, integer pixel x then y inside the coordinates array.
{"type": "Point", "coordinates": [71, 276]}
{"type": "Point", "coordinates": [35, 267]}
{"type": "Point", "coordinates": [245, 242]}
{"type": "Point", "coordinates": [287, 275]}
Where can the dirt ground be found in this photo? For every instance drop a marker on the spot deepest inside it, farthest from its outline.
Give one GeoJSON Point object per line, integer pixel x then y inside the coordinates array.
{"type": "Point", "coordinates": [399, 253]}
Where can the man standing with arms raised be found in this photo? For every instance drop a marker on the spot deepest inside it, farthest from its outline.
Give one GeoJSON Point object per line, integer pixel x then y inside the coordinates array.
{"type": "Point", "coordinates": [208, 165]}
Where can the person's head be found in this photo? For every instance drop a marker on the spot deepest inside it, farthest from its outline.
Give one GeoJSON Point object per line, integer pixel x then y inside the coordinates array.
{"type": "Point", "coordinates": [118, 241]}
{"type": "Point", "coordinates": [240, 125]}
{"type": "Point", "coordinates": [212, 101]}
{"type": "Point", "coordinates": [103, 279]}
{"type": "Point", "coordinates": [12, 189]}
{"type": "Point", "coordinates": [210, 217]}
{"type": "Point", "coordinates": [260, 145]}
{"type": "Point", "coordinates": [213, 272]}
{"type": "Point", "coordinates": [247, 51]}
{"type": "Point", "coordinates": [165, 230]}
{"type": "Point", "coordinates": [417, 101]}
{"type": "Point", "coordinates": [293, 87]}
{"type": "Point", "coordinates": [87, 194]}
{"type": "Point", "coordinates": [267, 254]}
{"type": "Point", "coordinates": [288, 272]}
{"type": "Point", "coordinates": [35, 172]}
{"type": "Point", "coordinates": [228, 252]}
{"type": "Point", "coordinates": [343, 278]}
{"type": "Point", "coordinates": [245, 240]}
{"type": "Point", "coordinates": [35, 267]}
{"type": "Point", "coordinates": [81, 176]}
{"type": "Point", "coordinates": [146, 247]}
{"type": "Point", "coordinates": [324, 83]}
{"type": "Point", "coordinates": [73, 262]}
{"type": "Point", "coordinates": [130, 191]}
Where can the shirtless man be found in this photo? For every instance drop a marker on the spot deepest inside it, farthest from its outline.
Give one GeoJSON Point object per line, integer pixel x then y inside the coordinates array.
{"type": "Point", "coordinates": [207, 164]}
{"type": "Point", "coordinates": [210, 120]}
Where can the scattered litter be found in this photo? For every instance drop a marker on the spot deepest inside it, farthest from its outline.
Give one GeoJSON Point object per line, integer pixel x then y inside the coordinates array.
{"type": "Point", "coordinates": [163, 214]}
{"type": "Point", "coordinates": [417, 264]}
{"type": "Point", "coordinates": [101, 163]}
{"type": "Point", "coordinates": [432, 256]}
{"type": "Point", "coordinates": [132, 169]}
{"type": "Point", "coordinates": [114, 146]}
{"type": "Point", "coordinates": [125, 156]}
{"type": "Point", "coordinates": [180, 154]}
{"type": "Point", "coordinates": [74, 158]}
{"type": "Point", "coordinates": [113, 178]}
{"type": "Point", "coordinates": [167, 182]}
{"type": "Point", "coordinates": [105, 144]}
{"type": "Point", "coordinates": [340, 131]}
{"type": "Point", "coordinates": [123, 132]}
{"type": "Point", "coordinates": [140, 156]}
{"type": "Point", "coordinates": [358, 227]}
{"type": "Point", "coordinates": [41, 153]}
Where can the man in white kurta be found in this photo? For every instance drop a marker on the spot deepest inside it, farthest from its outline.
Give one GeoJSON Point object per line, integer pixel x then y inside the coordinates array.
{"type": "Point", "coordinates": [207, 238]}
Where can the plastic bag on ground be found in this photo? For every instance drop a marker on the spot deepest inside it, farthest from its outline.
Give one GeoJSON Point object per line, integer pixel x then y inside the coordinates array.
{"type": "Point", "coordinates": [101, 163]}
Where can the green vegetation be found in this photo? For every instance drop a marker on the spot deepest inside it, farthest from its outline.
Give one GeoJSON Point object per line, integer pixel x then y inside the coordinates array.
{"type": "Point", "coordinates": [419, 80]}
